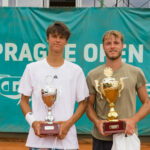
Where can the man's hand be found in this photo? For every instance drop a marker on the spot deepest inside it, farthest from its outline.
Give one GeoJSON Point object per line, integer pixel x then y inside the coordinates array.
{"type": "Point", "coordinates": [130, 126]}
{"type": "Point", "coordinates": [36, 127]}
{"type": "Point", "coordinates": [64, 128]}
{"type": "Point", "coordinates": [99, 125]}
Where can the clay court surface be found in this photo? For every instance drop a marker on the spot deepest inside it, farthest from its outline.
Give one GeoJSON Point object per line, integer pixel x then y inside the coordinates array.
{"type": "Point", "coordinates": [16, 141]}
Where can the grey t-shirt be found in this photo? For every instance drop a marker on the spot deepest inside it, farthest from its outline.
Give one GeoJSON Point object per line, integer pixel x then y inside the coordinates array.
{"type": "Point", "coordinates": [125, 105]}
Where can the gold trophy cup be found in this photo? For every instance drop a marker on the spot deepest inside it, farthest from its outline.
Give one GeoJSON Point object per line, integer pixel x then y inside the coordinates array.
{"type": "Point", "coordinates": [110, 89]}
{"type": "Point", "coordinates": [49, 95]}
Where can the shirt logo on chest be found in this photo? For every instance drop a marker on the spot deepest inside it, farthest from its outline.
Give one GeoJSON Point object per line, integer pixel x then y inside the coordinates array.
{"type": "Point", "coordinates": [55, 76]}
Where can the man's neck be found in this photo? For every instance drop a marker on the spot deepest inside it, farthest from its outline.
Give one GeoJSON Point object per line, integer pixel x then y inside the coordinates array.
{"type": "Point", "coordinates": [55, 60]}
{"type": "Point", "coordinates": [114, 64]}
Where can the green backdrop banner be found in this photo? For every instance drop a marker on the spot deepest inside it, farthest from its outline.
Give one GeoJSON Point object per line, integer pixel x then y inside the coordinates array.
{"type": "Point", "coordinates": [23, 40]}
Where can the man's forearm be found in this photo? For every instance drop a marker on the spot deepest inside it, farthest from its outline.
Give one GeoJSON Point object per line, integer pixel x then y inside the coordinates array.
{"type": "Point", "coordinates": [24, 104]}
{"type": "Point", "coordinates": [91, 114]}
{"type": "Point", "coordinates": [144, 110]}
{"type": "Point", "coordinates": [79, 112]}
{"type": "Point", "coordinates": [25, 107]}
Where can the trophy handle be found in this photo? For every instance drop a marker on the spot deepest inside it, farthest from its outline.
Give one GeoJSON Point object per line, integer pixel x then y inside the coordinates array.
{"type": "Point", "coordinates": [121, 85]}
{"type": "Point", "coordinates": [97, 86]}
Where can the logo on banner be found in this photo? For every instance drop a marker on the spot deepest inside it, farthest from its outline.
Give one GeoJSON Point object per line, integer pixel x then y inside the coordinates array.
{"type": "Point", "coordinates": [9, 86]}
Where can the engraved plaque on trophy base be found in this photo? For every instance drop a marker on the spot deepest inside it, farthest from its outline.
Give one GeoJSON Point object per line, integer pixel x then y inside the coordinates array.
{"type": "Point", "coordinates": [114, 127]}
{"type": "Point", "coordinates": [49, 129]}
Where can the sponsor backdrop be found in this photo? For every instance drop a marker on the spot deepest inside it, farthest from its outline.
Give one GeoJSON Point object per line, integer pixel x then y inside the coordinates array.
{"type": "Point", "coordinates": [23, 40]}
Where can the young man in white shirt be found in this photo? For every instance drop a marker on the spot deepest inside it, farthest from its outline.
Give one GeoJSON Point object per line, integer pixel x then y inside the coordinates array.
{"type": "Point", "coordinates": [71, 86]}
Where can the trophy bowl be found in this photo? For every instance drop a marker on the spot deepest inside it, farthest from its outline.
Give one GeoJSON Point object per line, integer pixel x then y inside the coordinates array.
{"type": "Point", "coordinates": [49, 97]}
{"type": "Point", "coordinates": [110, 90]}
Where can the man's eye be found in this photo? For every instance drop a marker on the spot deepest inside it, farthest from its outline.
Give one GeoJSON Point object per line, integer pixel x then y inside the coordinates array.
{"type": "Point", "coordinates": [53, 35]}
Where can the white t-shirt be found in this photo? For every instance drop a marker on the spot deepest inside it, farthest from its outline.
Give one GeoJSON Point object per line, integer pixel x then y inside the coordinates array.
{"type": "Point", "coordinates": [71, 86]}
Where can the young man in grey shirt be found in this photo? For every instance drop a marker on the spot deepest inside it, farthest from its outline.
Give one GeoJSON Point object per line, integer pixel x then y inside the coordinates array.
{"type": "Point", "coordinates": [125, 105]}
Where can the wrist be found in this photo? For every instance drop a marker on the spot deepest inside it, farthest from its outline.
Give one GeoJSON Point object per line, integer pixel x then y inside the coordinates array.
{"type": "Point", "coordinates": [30, 118]}
{"type": "Point", "coordinates": [97, 122]}
{"type": "Point", "coordinates": [134, 120]}
{"type": "Point", "coordinates": [69, 123]}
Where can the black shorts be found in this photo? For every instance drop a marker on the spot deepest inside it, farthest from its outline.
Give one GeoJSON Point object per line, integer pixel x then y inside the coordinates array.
{"type": "Point", "coordinates": [101, 145]}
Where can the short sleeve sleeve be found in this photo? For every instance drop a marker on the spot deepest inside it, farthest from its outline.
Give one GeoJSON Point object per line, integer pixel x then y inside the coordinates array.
{"type": "Point", "coordinates": [90, 85]}
{"type": "Point", "coordinates": [140, 79]}
{"type": "Point", "coordinates": [81, 89]}
{"type": "Point", "coordinates": [25, 86]}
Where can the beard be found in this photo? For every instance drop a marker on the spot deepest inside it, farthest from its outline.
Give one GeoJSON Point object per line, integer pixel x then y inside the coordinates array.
{"type": "Point", "coordinates": [113, 57]}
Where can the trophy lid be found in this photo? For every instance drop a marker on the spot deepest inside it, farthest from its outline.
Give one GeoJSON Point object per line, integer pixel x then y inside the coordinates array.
{"type": "Point", "coordinates": [49, 88]}
{"type": "Point", "coordinates": [110, 82]}
{"type": "Point", "coordinates": [108, 72]}
{"type": "Point", "coordinates": [49, 91]}
{"type": "Point", "coordinates": [48, 79]}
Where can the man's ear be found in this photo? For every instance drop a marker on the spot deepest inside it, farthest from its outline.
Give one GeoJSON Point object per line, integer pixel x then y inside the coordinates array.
{"type": "Point", "coordinates": [122, 45]}
{"type": "Point", "coordinates": [103, 47]}
{"type": "Point", "coordinates": [47, 39]}
{"type": "Point", "coordinates": [66, 42]}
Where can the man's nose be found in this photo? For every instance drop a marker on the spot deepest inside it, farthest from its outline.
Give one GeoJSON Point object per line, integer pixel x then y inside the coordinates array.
{"type": "Point", "coordinates": [112, 45]}
{"type": "Point", "coordinates": [58, 39]}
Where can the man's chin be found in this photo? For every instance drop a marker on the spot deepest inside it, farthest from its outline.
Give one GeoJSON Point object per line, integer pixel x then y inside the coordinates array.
{"type": "Point", "coordinates": [113, 57]}
{"type": "Point", "coordinates": [57, 49]}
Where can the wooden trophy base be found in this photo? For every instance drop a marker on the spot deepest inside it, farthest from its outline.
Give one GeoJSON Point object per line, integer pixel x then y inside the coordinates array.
{"type": "Point", "coordinates": [114, 127]}
{"type": "Point", "coordinates": [49, 129]}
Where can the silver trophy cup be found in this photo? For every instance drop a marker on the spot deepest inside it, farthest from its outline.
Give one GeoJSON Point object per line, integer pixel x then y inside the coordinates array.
{"type": "Point", "coordinates": [49, 95]}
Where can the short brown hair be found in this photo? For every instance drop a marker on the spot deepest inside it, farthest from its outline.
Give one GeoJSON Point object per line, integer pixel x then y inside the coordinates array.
{"type": "Point", "coordinates": [59, 28]}
{"type": "Point", "coordinates": [115, 33]}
